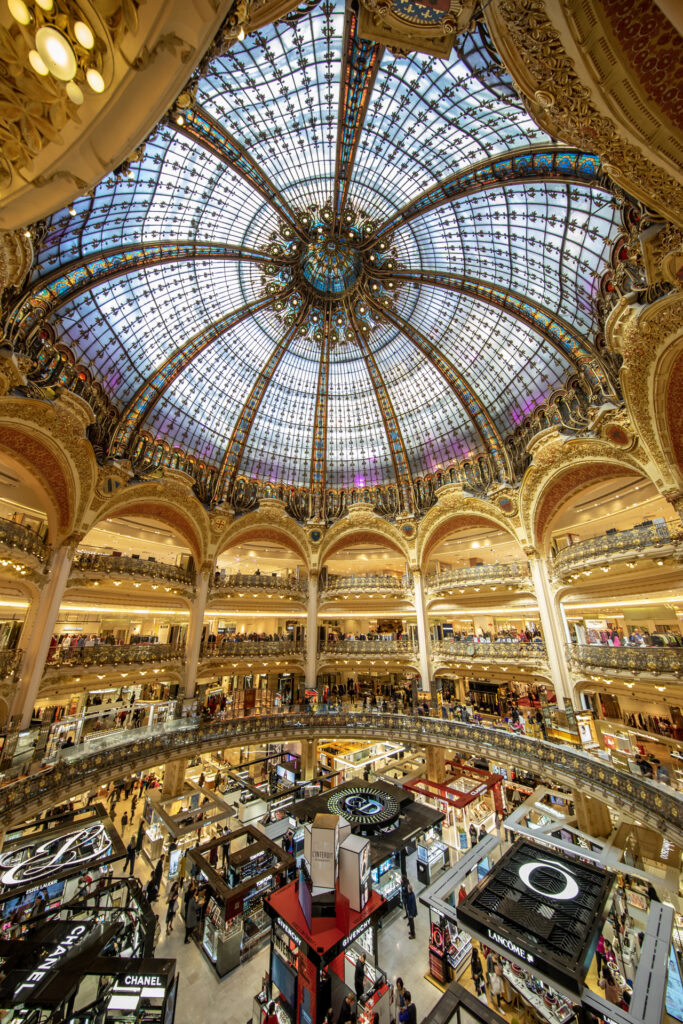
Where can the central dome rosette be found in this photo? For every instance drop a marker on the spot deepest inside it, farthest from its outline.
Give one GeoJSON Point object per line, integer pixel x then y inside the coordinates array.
{"type": "Point", "coordinates": [331, 266]}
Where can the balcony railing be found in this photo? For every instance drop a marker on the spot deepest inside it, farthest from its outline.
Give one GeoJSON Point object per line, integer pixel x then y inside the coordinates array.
{"type": "Point", "coordinates": [125, 565]}
{"type": "Point", "coordinates": [478, 575]}
{"type": "Point", "coordinates": [9, 663]}
{"type": "Point", "coordinates": [238, 649]}
{"type": "Point", "coordinates": [21, 538]}
{"type": "Point", "coordinates": [113, 654]}
{"type": "Point", "coordinates": [639, 538]}
{"type": "Point", "coordinates": [498, 650]}
{"type": "Point", "coordinates": [398, 585]}
{"type": "Point", "coordinates": [379, 647]}
{"type": "Point", "coordinates": [655, 660]}
{"type": "Point", "coordinates": [260, 582]}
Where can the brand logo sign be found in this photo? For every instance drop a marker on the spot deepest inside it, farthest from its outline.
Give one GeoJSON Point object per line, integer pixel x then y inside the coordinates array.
{"type": "Point", "coordinates": [288, 931]}
{"type": "Point", "coordinates": [19, 867]}
{"type": "Point", "coordinates": [352, 936]}
{"type": "Point", "coordinates": [570, 889]}
{"type": "Point", "coordinates": [511, 946]}
{"type": "Point", "coordinates": [49, 962]}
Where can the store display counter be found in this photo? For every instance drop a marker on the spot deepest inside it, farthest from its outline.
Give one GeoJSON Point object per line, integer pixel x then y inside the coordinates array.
{"type": "Point", "coordinates": [431, 857]}
{"type": "Point", "coordinates": [548, 1004]}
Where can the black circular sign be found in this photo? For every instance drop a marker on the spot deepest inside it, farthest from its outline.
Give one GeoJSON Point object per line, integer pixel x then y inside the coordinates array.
{"type": "Point", "coordinates": [365, 806]}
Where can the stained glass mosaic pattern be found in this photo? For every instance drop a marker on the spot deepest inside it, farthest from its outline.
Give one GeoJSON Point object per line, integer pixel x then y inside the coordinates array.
{"type": "Point", "coordinates": [379, 257]}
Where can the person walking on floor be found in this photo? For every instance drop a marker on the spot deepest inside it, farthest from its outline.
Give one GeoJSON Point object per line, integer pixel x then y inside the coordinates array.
{"type": "Point", "coordinates": [408, 1015]}
{"type": "Point", "coordinates": [411, 911]}
{"type": "Point", "coordinates": [346, 1014]}
{"type": "Point", "coordinates": [191, 916]}
{"type": "Point", "coordinates": [477, 971]}
{"type": "Point", "coordinates": [159, 872]}
{"type": "Point", "coordinates": [172, 906]}
{"type": "Point", "coordinates": [130, 856]}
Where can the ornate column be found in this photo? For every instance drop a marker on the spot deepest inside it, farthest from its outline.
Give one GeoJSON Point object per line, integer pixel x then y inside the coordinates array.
{"type": "Point", "coordinates": [435, 763]}
{"type": "Point", "coordinates": [312, 633]}
{"type": "Point", "coordinates": [174, 778]}
{"type": "Point", "coordinates": [309, 759]}
{"type": "Point", "coordinates": [553, 629]}
{"type": "Point", "coordinates": [423, 637]}
{"type": "Point", "coordinates": [38, 629]}
{"type": "Point", "coordinates": [194, 631]}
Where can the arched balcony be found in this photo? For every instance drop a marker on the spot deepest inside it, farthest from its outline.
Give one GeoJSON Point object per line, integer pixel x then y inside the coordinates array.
{"type": "Point", "coordinates": [369, 583]}
{"type": "Point", "coordinates": [380, 648]}
{"type": "Point", "coordinates": [89, 565]}
{"type": "Point", "coordinates": [655, 540]}
{"type": "Point", "coordinates": [9, 663]}
{"type": "Point", "coordinates": [652, 661]}
{"type": "Point", "coordinates": [238, 584]}
{"type": "Point", "coordinates": [111, 656]}
{"type": "Point", "coordinates": [17, 541]}
{"type": "Point", "coordinates": [449, 651]}
{"type": "Point", "coordinates": [446, 581]}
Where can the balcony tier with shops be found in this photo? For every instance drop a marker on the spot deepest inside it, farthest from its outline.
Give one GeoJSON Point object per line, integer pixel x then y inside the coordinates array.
{"type": "Point", "coordinates": [241, 584]}
{"type": "Point", "coordinates": [372, 583]}
{"type": "Point", "coordinates": [656, 540]}
{"type": "Point", "coordinates": [508, 574]}
{"type": "Point", "coordinates": [640, 661]}
{"type": "Point", "coordinates": [65, 661]}
{"type": "Point", "coordinates": [22, 550]}
{"type": "Point", "coordinates": [454, 652]}
{"type": "Point", "coordinates": [89, 566]}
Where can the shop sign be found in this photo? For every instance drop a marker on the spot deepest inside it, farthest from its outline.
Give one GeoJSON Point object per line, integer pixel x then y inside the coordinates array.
{"type": "Point", "coordinates": [288, 930]}
{"type": "Point", "coordinates": [355, 934]}
{"type": "Point", "coordinates": [69, 850]}
{"type": "Point", "coordinates": [570, 890]}
{"type": "Point", "coordinates": [50, 961]}
{"type": "Point", "coordinates": [510, 946]}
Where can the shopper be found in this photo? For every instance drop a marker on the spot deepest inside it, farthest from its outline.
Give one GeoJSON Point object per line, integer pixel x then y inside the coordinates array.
{"type": "Point", "coordinates": [612, 990]}
{"type": "Point", "coordinates": [408, 1014]}
{"type": "Point", "coordinates": [346, 1014]}
{"type": "Point", "coordinates": [404, 895]}
{"type": "Point", "coordinates": [130, 856]}
{"type": "Point", "coordinates": [272, 1017]}
{"type": "Point", "coordinates": [497, 985]}
{"type": "Point", "coordinates": [172, 906]}
{"type": "Point", "coordinates": [359, 976]}
{"type": "Point", "coordinates": [399, 997]}
{"type": "Point", "coordinates": [191, 916]}
{"type": "Point", "coordinates": [411, 911]}
{"type": "Point", "coordinates": [477, 971]}
{"type": "Point", "coordinates": [159, 872]}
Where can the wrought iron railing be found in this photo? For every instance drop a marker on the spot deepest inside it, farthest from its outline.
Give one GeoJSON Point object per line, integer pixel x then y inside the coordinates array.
{"type": "Point", "coordinates": [653, 803]}
{"type": "Point", "coordinates": [476, 575]}
{"type": "Point", "coordinates": [261, 582]}
{"type": "Point", "coordinates": [497, 650]}
{"type": "Point", "coordinates": [400, 585]}
{"type": "Point", "coordinates": [9, 663]}
{"type": "Point", "coordinates": [638, 538]}
{"type": "Point", "coordinates": [22, 538]}
{"type": "Point", "coordinates": [379, 647]}
{"type": "Point", "coordinates": [657, 660]}
{"type": "Point", "coordinates": [126, 565]}
{"type": "Point", "coordinates": [251, 648]}
{"type": "Point", "coordinates": [113, 654]}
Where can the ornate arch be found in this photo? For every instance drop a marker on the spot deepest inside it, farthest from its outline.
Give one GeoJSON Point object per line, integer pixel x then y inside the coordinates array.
{"type": "Point", "coordinates": [167, 502]}
{"type": "Point", "coordinates": [455, 509]}
{"type": "Point", "coordinates": [650, 341]}
{"type": "Point", "coordinates": [47, 441]}
{"type": "Point", "coordinates": [363, 527]}
{"type": "Point", "coordinates": [561, 469]}
{"type": "Point", "coordinates": [262, 525]}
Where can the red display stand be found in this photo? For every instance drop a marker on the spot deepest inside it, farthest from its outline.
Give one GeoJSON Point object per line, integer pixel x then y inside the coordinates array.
{"type": "Point", "coordinates": [308, 953]}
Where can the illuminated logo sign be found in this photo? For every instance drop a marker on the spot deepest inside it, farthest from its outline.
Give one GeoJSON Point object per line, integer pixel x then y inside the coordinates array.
{"type": "Point", "coordinates": [49, 962]}
{"type": "Point", "coordinates": [363, 805]}
{"type": "Point", "coordinates": [288, 930]}
{"type": "Point", "coordinates": [512, 947]}
{"type": "Point", "coordinates": [30, 864]}
{"type": "Point", "coordinates": [356, 933]}
{"type": "Point", "coordinates": [569, 890]}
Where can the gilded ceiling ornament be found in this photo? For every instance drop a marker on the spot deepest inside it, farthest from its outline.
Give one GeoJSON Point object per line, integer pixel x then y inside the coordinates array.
{"type": "Point", "coordinates": [565, 109]}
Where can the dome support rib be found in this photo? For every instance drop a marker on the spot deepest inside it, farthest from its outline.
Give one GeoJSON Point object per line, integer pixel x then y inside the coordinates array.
{"type": "Point", "coordinates": [147, 396]}
{"type": "Point", "coordinates": [465, 394]}
{"type": "Point", "coordinates": [212, 136]}
{"type": "Point", "coordinates": [554, 329]}
{"type": "Point", "coordinates": [360, 62]}
{"type": "Point", "coordinates": [522, 166]}
{"type": "Point", "coordinates": [234, 451]}
{"type": "Point", "coordinates": [399, 455]}
{"type": "Point", "coordinates": [54, 290]}
{"type": "Point", "coordinates": [319, 445]}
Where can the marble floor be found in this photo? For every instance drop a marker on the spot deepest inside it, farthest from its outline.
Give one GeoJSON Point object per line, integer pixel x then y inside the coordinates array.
{"type": "Point", "coordinates": [202, 997]}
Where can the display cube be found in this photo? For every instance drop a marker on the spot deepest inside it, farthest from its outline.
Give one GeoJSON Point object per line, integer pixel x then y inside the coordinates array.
{"type": "Point", "coordinates": [354, 871]}
{"type": "Point", "coordinates": [324, 846]}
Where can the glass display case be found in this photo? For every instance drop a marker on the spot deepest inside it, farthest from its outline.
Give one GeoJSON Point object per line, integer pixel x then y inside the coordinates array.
{"type": "Point", "coordinates": [431, 857]}
{"type": "Point", "coordinates": [386, 878]}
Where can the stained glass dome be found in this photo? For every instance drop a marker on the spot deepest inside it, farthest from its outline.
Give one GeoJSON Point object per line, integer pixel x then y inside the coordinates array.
{"type": "Point", "coordinates": [334, 265]}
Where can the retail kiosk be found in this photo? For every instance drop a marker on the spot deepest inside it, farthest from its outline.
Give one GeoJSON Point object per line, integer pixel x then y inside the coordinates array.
{"type": "Point", "coordinates": [469, 799]}
{"type": "Point", "coordinates": [391, 818]}
{"type": "Point", "coordinates": [247, 867]}
{"type": "Point", "coordinates": [172, 824]}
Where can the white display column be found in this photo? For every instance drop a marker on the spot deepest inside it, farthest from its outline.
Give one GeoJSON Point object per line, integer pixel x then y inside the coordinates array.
{"type": "Point", "coordinates": [423, 637]}
{"type": "Point", "coordinates": [554, 634]}
{"type": "Point", "coordinates": [195, 628]}
{"type": "Point", "coordinates": [312, 633]}
{"type": "Point", "coordinates": [37, 632]}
